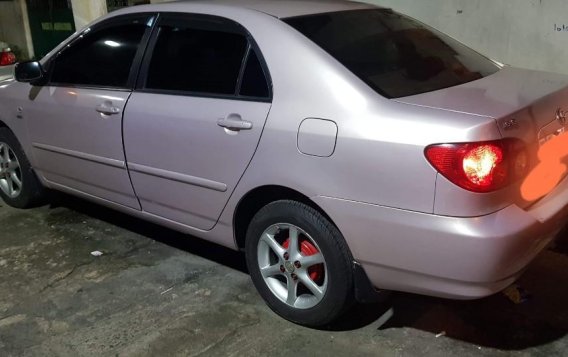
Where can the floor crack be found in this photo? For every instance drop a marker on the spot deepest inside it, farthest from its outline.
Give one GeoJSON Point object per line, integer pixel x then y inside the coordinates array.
{"type": "Point", "coordinates": [65, 276]}
{"type": "Point", "coordinates": [7, 317]}
{"type": "Point", "coordinates": [224, 338]}
{"type": "Point", "coordinates": [132, 250]}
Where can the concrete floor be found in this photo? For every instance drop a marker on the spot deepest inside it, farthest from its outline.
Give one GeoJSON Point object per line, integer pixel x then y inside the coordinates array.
{"type": "Point", "coordinates": [157, 292]}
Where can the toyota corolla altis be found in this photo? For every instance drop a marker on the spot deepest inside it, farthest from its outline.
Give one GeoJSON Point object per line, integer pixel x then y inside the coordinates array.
{"type": "Point", "coordinates": [344, 148]}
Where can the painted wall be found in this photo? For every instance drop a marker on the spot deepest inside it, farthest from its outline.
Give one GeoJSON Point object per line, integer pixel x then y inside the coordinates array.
{"type": "Point", "coordinates": [14, 28]}
{"type": "Point", "coordinates": [524, 33]}
{"type": "Point", "coordinates": [86, 11]}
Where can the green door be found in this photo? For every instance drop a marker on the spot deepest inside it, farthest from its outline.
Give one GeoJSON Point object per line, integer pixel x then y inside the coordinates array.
{"type": "Point", "coordinates": [51, 21]}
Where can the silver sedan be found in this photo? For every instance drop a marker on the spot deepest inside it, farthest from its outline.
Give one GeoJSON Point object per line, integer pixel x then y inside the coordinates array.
{"type": "Point", "coordinates": [345, 148]}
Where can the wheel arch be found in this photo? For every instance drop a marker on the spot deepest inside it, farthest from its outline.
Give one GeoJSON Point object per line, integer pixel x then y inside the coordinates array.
{"type": "Point", "coordinates": [259, 197]}
{"type": "Point", "coordinates": [4, 124]}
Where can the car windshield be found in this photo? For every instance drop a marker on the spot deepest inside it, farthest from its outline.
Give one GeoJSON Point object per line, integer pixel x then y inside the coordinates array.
{"type": "Point", "coordinates": [395, 55]}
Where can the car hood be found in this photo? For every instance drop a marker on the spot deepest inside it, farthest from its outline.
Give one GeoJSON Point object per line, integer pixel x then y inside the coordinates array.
{"type": "Point", "coordinates": [495, 96]}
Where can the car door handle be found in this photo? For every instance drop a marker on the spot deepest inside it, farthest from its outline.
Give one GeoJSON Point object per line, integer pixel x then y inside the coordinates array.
{"type": "Point", "coordinates": [234, 123]}
{"type": "Point", "coordinates": [107, 108]}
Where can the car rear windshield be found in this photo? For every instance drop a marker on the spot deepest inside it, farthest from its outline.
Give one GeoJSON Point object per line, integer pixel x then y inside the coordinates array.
{"type": "Point", "coordinates": [395, 55]}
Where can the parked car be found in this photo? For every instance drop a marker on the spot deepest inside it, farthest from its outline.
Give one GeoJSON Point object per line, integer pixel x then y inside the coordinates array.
{"type": "Point", "coordinates": [346, 149]}
{"type": "Point", "coordinates": [7, 57]}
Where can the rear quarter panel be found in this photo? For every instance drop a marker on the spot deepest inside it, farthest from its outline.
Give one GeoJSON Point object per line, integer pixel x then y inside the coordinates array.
{"type": "Point", "coordinates": [378, 156]}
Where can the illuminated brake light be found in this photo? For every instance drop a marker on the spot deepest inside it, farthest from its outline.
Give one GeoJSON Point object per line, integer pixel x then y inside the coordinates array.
{"type": "Point", "coordinates": [481, 166]}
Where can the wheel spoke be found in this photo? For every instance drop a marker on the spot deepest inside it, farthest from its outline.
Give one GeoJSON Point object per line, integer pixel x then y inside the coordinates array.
{"type": "Point", "coordinates": [273, 244]}
{"type": "Point", "coordinates": [311, 285]}
{"type": "Point", "coordinates": [10, 186]}
{"type": "Point", "coordinates": [12, 166]}
{"type": "Point", "coordinates": [309, 260]}
{"type": "Point", "coordinates": [293, 241]}
{"type": "Point", "coordinates": [4, 186]}
{"type": "Point", "coordinates": [16, 180]}
{"type": "Point", "coordinates": [270, 270]}
{"type": "Point", "coordinates": [292, 292]}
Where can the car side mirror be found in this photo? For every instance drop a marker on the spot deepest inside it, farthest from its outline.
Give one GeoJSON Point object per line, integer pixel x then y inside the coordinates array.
{"type": "Point", "coordinates": [28, 71]}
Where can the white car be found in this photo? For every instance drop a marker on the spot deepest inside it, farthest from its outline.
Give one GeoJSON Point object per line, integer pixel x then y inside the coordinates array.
{"type": "Point", "coordinates": [341, 146]}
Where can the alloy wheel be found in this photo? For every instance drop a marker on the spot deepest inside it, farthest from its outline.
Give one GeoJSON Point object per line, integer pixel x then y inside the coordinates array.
{"type": "Point", "coordinates": [292, 265]}
{"type": "Point", "coordinates": [10, 172]}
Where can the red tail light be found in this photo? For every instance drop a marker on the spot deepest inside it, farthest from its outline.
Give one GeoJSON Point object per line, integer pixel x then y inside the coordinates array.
{"type": "Point", "coordinates": [481, 166]}
{"type": "Point", "coordinates": [7, 58]}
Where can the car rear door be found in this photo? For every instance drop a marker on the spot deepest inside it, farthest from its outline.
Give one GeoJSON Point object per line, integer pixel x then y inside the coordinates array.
{"type": "Point", "coordinates": [193, 124]}
{"type": "Point", "coordinates": [75, 121]}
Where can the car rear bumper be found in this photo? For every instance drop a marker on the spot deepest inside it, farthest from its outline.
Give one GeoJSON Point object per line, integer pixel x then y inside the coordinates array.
{"type": "Point", "coordinates": [452, 257]}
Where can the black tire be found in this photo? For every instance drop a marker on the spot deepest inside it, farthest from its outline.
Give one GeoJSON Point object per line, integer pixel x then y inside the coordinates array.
{"type": "Point", "coordinates": [338, 296]}
{"type": "Point", "coordinates": [32, 192]}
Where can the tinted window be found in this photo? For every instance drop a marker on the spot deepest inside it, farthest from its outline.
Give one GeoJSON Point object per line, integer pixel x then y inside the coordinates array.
{"type": "Point", "coordinates": [393, 54]}
{"type": "Point", "coordinates": [102, 58]}
{"type": "Point", "coordinates": [196, 60]}
{"type": "Point", "coordinates": [254, 82]}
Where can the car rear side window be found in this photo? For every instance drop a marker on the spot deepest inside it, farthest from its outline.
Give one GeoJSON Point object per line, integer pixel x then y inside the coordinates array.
{"type": "Point", "coordinates": [254, 83]}
{"type": "Point", "coordinates": [103, 57]}
{"type": "Point", "coordinates": [392, 53]}
{"type": "Point", "coordinates": [197, 60]}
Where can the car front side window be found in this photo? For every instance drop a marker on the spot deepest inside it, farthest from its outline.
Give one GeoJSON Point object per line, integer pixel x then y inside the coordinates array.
{"type": "Point", "coordinates": [102, 57]}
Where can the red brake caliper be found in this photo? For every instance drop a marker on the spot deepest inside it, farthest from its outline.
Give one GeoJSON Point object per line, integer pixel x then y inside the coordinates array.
{"type": "Point", "coordinates": [307, 248]}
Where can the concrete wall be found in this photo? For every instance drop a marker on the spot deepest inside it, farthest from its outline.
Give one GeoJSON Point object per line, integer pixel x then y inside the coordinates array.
{"type": "Point", "coordinates": [14, 27]}
{"type": "Point", "coordinates": [86, 11]}
{"type": "Point", "coordinates": [524, 33]}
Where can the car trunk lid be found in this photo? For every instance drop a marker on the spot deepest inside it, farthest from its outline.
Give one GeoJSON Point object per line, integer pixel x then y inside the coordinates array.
{"type": "Point", "coordinates": [528, 105]}
{"type": "Point", "coordinates": [496, 96]}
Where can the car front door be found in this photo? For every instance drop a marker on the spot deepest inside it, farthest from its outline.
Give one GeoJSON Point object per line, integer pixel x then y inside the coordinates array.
{"type": "Point", "coordinates": [75, 120]}
{"type": "Point", "coordinates": [193, 124]}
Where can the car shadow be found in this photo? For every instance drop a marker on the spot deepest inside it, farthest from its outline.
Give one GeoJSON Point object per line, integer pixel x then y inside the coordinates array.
{"type": "Point", "coordinates": [494, 322]}
{"type": "Point", "coordinates": [214, 252]}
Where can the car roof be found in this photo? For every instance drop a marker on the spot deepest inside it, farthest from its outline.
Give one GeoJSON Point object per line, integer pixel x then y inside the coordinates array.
{"type": "Point", "coordinates": [275, 8]}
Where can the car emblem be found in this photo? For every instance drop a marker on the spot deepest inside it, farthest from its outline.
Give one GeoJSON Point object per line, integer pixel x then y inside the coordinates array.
{"type": "Point", "coordinates": [289, 266]}
{"type": "Point", "coordinates": [561, 116]}
{"type": "Point", "coordinates": [510, 124]}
